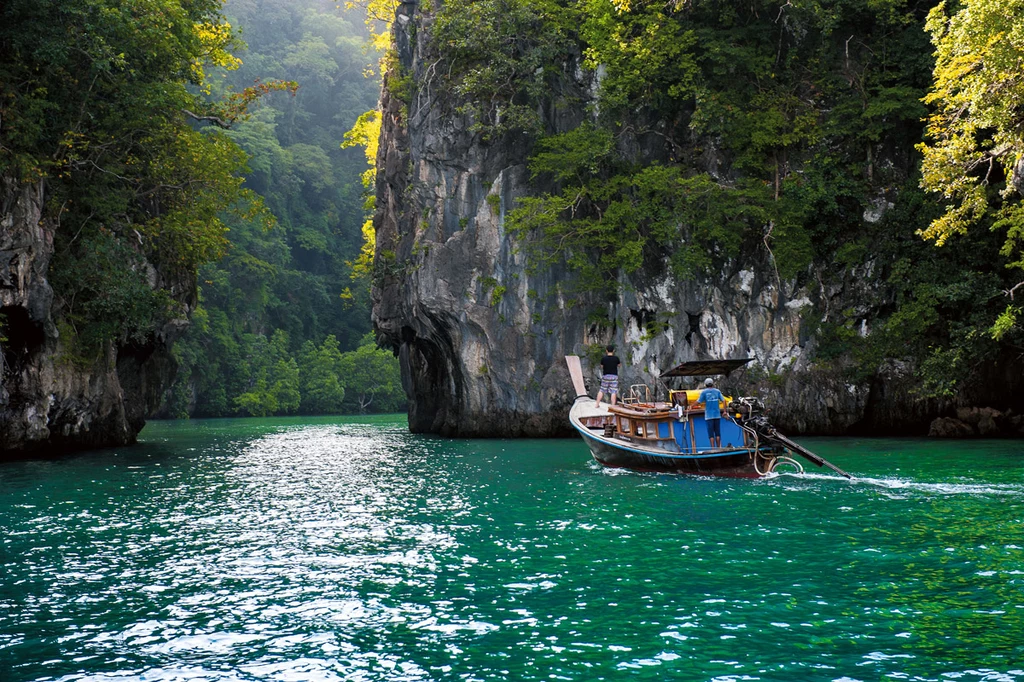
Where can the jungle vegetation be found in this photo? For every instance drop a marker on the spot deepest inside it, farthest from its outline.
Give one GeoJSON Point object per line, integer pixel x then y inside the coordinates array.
{"type": "Point", "coordinates": [183, 138]}
{"type": "Point", "coordinates": [97, 101]}
{"type": "Point", "coordinates": [284, 325]}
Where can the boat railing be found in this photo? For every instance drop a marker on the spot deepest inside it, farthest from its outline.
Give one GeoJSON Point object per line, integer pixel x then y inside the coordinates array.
{"type": "Point", "coordinates": [638, 394]}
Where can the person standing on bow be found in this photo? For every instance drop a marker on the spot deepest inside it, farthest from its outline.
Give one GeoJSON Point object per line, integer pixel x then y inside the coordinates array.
{"type": "Point", "coordinates": [609, 375]}
{"type": "Point", "coordinates": [710, 397]}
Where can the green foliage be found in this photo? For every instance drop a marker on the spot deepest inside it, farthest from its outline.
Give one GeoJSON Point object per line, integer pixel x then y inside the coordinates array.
{"type": "Point", "coordinates": [647, 53]}
{"type": "Point", "coordinates": [321, 368]}
{"type": "Point", "coordinates": [273, 378]}
{"type": "Point", "coordinates": [975, 156]}
{"type": "Point", "coordinates": [943, 303]}
{"type": "Point", "coordinates": [654, 327]}
{"type": "Point", "coordinates": [372, 379]}
{"type": "Point", "coordinates": [787, 100]}
{"type": "Point", "coordinates": [620, 222]}
{"type": "Point", "coordinates": [600, 319]}
{"type": "Point", "coordinates": [594, 353]}
{"type": "Point", "coordinates": [496, 290]}
{"type": "Point", "coordinates": [501, 56]}
{"type": "Point", "coordinates": [96, 99]}
{"type": "Point", "coordinates": [836, 339]}
{"type": "Point", "coordinates": [226, 373]}
{"type": "Point", "coordinates": [296, 276]}
{"type": "Point", "coordinates": [108, 295]}
{"type": "Point", "coordinates": [1005, 323]}
{"type": "Point", "coordinates": [494, 201]}
{"type": "Point", "coordinates": [573, 156]}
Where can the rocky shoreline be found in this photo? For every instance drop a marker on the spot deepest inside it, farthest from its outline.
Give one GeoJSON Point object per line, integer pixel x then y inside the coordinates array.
{"type": "Point", "coordinates": [978, 422]}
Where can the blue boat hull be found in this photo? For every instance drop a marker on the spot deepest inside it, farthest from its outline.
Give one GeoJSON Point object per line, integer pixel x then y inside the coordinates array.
{"type": "Point", "coordinates": [735, 463]}
{"type": "Point", "coordinates": [734, 460]}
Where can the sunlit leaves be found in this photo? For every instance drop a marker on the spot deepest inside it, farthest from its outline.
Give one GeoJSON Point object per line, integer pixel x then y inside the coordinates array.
{"type": "Point", "coordinates": [978, 94]}
{"type": "Point", "coordinates": [362, 266]}
{"type": "Point", "coordinates": [976, 141]}
{"type": "Point", "coordinates": [236, 105]}
{"type": "Point", "coordinates": [1006, 322]}
{"type": "Point", "coordinates": [646, 52]}
{"type": "Point", "coordinates": [366, 134]}
{"type": "Point", "coordinates": [379, 15]}
{"type": "Point", "coordinates": [217, 41]}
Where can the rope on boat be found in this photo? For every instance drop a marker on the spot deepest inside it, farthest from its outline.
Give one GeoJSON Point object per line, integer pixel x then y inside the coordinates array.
{"type": "Point", "coordinates": [757, 448]}
{"type": "Point", "coordinates": [774, 461]}
{"type": "Point", "coordinates": [784, 460]}
{"type": "Point", "coordinates": [757, 469]}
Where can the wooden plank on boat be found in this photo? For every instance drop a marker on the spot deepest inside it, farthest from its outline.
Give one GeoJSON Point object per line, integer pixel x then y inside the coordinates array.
{"type": "Point", "coordinates": [576, 372]}
{"type": "Point", "coordinates": [647, 413]}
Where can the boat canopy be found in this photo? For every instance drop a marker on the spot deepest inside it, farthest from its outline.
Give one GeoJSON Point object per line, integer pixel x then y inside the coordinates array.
{"type": "Point", "coordinates": [698, 368]}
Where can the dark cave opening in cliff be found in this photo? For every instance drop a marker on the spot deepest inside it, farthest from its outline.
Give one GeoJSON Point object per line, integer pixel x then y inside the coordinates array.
{"type": "Point", "coordinates": [425, 371]}
{"type": "Point", "coordinates": [20, 338]}
{"type": "Point", "coordinates": [694, 324]}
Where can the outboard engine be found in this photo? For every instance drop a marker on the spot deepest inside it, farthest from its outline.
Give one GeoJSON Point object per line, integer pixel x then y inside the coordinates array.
{"type": "Point", "coordinates": [748, 409]}
{"type": "Point", "coordinates": [754, 415]}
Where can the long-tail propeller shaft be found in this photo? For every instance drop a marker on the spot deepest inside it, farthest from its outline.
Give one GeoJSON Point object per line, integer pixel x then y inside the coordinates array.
{"type": "Point", "coordinates": [771, 433]}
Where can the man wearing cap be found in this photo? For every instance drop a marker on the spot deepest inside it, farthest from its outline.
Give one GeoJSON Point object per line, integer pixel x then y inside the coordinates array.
{"type": "Point", "coordinates": [710, 398]}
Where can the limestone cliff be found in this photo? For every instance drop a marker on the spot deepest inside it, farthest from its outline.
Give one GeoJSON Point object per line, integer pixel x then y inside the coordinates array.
{"type": "Point", "coordinates": [50, 400]}
{"type": "Point", "coordinates": [481, 336]}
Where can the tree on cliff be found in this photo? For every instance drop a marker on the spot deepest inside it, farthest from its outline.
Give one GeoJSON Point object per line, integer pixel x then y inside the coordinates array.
{"type": "Point", "coordinates": [975, 156]}
{"type": "Point", "coordinates": [101, 101]}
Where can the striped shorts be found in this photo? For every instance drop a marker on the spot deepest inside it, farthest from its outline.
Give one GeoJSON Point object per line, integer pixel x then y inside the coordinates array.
{"type": "Point", "coordinates": [610, 383]}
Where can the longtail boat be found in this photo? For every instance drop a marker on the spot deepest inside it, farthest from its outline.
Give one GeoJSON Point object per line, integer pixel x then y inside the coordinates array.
{"type": "Point", "coordinates": [646, 434]}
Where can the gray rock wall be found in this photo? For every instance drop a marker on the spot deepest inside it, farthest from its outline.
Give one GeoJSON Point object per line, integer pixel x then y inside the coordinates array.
{"type": "Point", "coordinates": [49, 400]}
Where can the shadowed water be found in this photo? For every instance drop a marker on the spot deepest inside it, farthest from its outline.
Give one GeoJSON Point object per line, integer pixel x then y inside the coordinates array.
{"type": "Point", "coordinates": [242, 550]}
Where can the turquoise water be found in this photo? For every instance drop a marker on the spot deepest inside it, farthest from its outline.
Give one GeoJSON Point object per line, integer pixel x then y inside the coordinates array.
{"type": "Point", "coordinates": [243, 550]}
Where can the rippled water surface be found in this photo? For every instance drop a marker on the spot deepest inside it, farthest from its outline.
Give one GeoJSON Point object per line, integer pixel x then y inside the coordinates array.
{"type": "Point", "coordinates": [223, 551]}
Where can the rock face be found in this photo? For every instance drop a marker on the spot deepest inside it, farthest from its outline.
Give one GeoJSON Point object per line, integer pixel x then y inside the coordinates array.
{"type": "Point", "coordinates": [49, 401]}
{"type": "Point", "coordinates": [481, 337]}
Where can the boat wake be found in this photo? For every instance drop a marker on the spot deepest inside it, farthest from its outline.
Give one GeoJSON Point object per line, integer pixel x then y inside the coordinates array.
{"type": "Point", "coordinates": [888, 485]}
{"type": "Point", "coordinates": [898, 485]}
